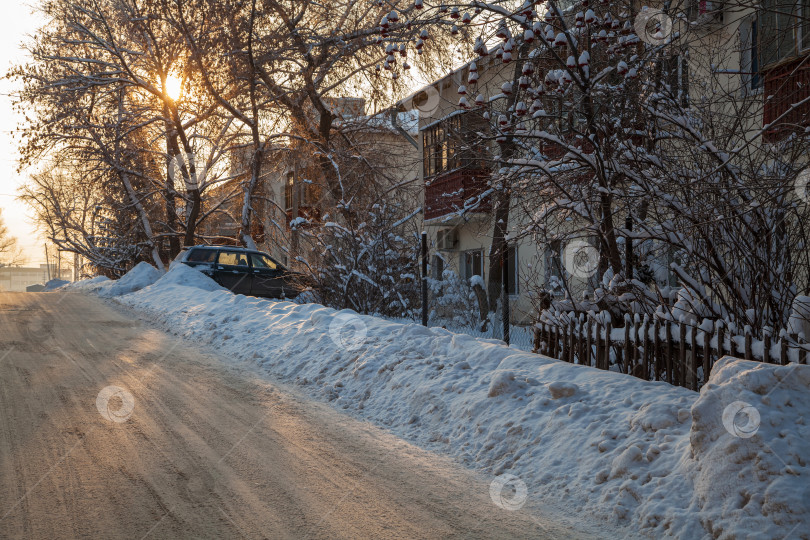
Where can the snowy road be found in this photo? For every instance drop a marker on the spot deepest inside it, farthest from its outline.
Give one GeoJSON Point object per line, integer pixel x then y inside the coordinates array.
{"type": "Point", "coordinates": [191, 447]}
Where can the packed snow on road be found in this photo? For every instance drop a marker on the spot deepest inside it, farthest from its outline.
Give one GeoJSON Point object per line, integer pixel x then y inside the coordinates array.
{"type": "Point", "coordinates": [728, 462]}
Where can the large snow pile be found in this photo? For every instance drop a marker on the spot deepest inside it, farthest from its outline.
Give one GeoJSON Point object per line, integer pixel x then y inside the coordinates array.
{"type": "Point", "coordinates": [763, 471]}
{"type": "Point", "coordinates": [182, 275]}
{"type": "Point", "coordinates": [55, 284]}
{"type": "Point", "coordinates": [93, 284]}
{"type": "Point", "coordinates": [142, 275]}
{"type": "Point", "coordinates": [729, 462]}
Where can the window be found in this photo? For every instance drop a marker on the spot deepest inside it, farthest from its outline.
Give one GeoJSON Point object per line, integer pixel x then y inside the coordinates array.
{"type": "Point", "coordinates": [804, 43]}
{"type": "Point", "coordinates": [202, 255]}
{"type": "Point", "coordinates": [233, 258]}
{"type": "Point", "coordinates": [473, 263]}
{"type": "Point", "coordinates": [749, 56]}
{"type": "Point", "coordinates": [438, 267]}
{"type": "Point", "coordinates": [453, 143]}
{"type": "Point", "coordinates": [703, 9]}
{"type": "Point", "coordinates": [672, 277]}
{"type": "Point", "coordinates": [784, 29]}
{"type": "Point", "coordinates": [676, 70]}
{"type": "Point", "coordinates": [553, 267]}
{"type": "Point", "coordinates": [261, 261]}
{"type": "Point", "coordinates": [288, 192]}
{"type": "Point", "coordinates": [303, 193]}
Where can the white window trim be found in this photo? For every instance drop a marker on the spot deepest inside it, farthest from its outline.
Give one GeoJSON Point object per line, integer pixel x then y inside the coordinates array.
{"type": "Point", "coordinates": [746, 57]}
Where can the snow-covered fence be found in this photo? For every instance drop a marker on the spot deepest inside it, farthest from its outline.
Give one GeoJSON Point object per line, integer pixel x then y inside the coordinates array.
{"type": "Point", "coordinates": [680, 353]}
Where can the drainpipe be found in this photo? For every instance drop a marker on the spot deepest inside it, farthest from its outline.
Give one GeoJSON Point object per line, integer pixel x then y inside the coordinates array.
{"type": "Point", "coordinates": [393, 111]}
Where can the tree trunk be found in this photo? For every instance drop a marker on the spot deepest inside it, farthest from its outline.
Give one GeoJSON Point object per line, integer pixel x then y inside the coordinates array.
{"type": "Point", "coordinates": [247, 200]}
{"type": "Point", "coordinates": [170, 194]}
{"type": "Point", "coordinates": [147, 227]}
{"type": "Point", "coordinates": [501, 217]}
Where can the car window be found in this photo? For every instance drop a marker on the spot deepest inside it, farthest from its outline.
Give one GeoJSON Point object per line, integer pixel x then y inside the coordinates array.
{"type": "Point", "coordinates": [233, 258]}
{"type": "Point", "coordinates": [262, 261]}
{"type": "Point", "coordinates": [202, 255]}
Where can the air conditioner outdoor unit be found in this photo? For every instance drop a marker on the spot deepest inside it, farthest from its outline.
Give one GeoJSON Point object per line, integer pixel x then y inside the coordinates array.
{"type": "Point", "coordinates": [446, 239]}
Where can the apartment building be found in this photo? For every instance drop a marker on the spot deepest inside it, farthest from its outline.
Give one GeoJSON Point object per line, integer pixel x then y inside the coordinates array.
{"type": "Point", "coordinates": [756, 55]}
{"type": "Point", "coordinates": [293, 192]}
{"type": "Point", "coordinates": [456, 171]}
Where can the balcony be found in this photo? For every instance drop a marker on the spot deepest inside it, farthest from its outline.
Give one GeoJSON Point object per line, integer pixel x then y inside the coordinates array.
{"type": "Point", "coordinates": [452, 191]}
{"type": "Point", "coordinates": [785, 85]}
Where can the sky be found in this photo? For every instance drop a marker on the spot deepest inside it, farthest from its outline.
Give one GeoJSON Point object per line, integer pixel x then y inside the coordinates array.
{"type": "Point", "coordinates": [16, 23]}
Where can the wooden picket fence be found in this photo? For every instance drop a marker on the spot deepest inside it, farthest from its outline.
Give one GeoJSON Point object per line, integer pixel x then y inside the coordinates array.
{"type": "Point", "coordinates": [661, 350]}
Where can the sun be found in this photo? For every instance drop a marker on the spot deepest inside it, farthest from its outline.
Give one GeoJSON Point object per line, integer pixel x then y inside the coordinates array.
{"type": "Point", "coordinates": [174, 87]}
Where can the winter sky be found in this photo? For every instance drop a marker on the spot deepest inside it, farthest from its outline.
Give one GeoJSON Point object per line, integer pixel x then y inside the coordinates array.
{"type": "Point", "coordinates": [16, 23]}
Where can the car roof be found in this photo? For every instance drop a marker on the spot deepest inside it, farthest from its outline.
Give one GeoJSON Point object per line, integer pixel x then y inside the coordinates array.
{"type": "Point", "coordinates": [233, 248]}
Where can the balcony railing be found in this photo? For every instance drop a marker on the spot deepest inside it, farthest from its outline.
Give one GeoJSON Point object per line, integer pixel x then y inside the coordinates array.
{"type": "Point", "coordinates": [784, 86]}
{"type": "Point", "coordinates": [456, 190]}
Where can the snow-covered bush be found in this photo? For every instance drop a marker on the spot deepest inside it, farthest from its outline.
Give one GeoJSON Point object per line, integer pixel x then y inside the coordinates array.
{"type": "Point", "coordinates": [371, 267]}
{"type": "Point", "coordinates": [453, 302]}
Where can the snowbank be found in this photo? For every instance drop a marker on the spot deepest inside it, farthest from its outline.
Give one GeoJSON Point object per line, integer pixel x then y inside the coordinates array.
{"type": "Point", "coordinates": [729, 462]}
{"type": "Point", "coordinates": [181, 275]}
{"type": "Point", "coordinates": [142, 275]}
{"type": "Point", "coordinates": [87, 285]}
{"type": "Point", "coordinates": [55, 284]}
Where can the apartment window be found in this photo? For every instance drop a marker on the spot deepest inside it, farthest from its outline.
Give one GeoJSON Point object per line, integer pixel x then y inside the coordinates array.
{"type": "Point", "coordinates": [307, 193]}
{"type": "Point", "coordinates": [288, 192]}
{"type": "Point", "coordinates": [672, 258]}
{"type": "Point", "coordinates": [553, 266]}
{"type": "Point", "coordinates": [676, 70]}
{"type": "Point", "coordinates": [784, 28]}
{"type": "Point", "coordinates": [700, 9]}
{"type": "Point", "coordinates": [804, 30]}
{"type": "Point", "coordinates": [438, 267]}
{"type": "Point", "coordinates": [473, 263]}
{"type": "Point", "coordinates": [749, 55]}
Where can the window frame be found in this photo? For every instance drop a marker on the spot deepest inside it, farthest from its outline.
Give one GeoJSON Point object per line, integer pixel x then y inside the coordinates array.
{"type": "Point", "coordinates": [750, 55]}
{"type": "Point", "coordinates": [472, 253]}
{"type": "Point", "coordinates": [553, 266]}
{"type": "Point", "coordinates": [677, 67]}
{"type": "Point", "coordinates": [438, 264]}
{"type": "Point", "coordinates": [795, 26]}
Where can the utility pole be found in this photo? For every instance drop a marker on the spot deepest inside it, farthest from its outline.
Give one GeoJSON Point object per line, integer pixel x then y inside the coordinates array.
{"type": "Point", "coordinates": [505, 290]}
{"type": "Point", "coordinates": [628, 248]}
{"type": "Point", "coordinates": [47, 261]}
{"type": "Point", "coordinates": [424, 280]}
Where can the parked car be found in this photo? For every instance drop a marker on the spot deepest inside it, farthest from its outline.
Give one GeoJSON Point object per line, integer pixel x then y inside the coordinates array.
{"type": "Point", "coordinates": [244, 271]}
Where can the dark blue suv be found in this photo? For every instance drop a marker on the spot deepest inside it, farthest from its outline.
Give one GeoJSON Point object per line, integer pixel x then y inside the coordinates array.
{"type": "Point", "coordinates": [243, 271]}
